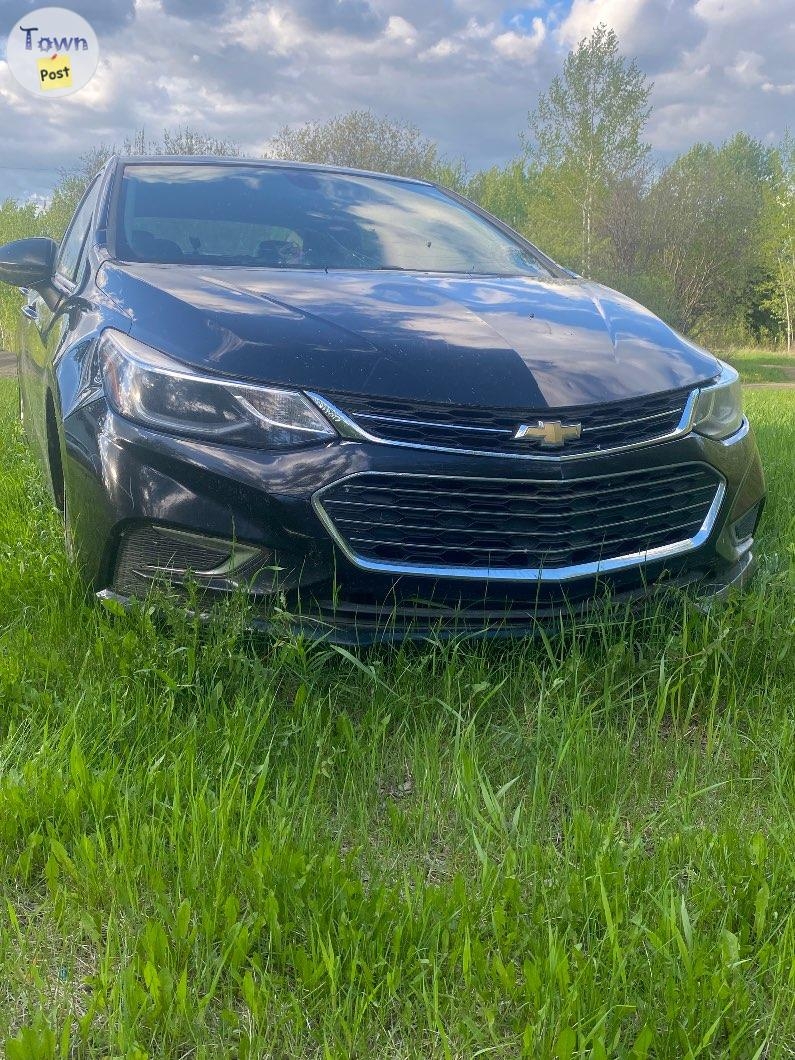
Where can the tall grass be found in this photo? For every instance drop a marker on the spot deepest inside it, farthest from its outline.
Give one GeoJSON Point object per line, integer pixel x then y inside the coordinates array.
{"type": "Point", "coordinates": [211, 845]}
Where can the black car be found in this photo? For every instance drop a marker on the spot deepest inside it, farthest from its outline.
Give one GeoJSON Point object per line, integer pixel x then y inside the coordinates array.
{"type": "Point", "coordinates": [368, 402]}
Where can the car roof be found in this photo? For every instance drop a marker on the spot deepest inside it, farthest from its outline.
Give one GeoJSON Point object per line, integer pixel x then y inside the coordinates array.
{"type": "Point", "coordinates": [265, 163]}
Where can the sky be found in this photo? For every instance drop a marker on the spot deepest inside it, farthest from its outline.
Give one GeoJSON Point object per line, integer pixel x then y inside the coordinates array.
{"type": "Point", "coordinates": [465, 71]}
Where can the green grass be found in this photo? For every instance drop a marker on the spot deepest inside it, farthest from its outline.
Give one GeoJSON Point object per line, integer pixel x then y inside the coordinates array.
{"type": "Point", "coordinates": [762, 366]}
{"type": "Point", "coordinates": [580, 845]}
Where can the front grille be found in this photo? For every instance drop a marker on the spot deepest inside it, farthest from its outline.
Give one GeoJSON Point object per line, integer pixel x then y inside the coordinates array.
{"type": "Point", "coordinates": [607, 426]}
{"type": "Point", "coordinates": [472, 526]}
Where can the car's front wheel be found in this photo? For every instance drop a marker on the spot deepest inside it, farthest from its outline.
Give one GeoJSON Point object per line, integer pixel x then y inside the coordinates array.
{"type": "Point", "coordinates": [68, 535]}
{"type": "Point", "coordinates": [20, 399]}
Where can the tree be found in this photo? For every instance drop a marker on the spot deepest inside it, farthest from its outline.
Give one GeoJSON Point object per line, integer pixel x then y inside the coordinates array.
{"type": "Point", "coordinates": [622, 225]}
{"type": "Point", "coordinates": [183, 140]}
{"type": "Point", "coordinates": [17, 221]}
{"type": "Point", "coordinates": [362, 140]}
{"type": "Point", "coordinates": [777, 238]}
{"type": "Point", "coordinates": [702, 233]}
{"type": "Point", "coordinates": [585, 133]}
{"type": "Point", "coordinates": [504, 192]}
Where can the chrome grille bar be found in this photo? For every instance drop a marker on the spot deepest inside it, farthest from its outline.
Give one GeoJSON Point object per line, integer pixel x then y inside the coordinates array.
{"type": "Point", "coordinates": [534, 533]}
{"type": "Point", "coordinates": [545, 534]}
{"type": "Point", "coordinates": [646, 421]}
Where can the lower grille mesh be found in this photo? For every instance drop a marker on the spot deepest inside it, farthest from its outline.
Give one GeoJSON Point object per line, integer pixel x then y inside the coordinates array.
{"type": "Point", "coordinates": [450, 522]}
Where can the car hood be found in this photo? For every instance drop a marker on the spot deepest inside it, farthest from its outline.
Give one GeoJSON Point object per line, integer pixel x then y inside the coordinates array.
{"type": "Point", "coordinates": [511, 342]}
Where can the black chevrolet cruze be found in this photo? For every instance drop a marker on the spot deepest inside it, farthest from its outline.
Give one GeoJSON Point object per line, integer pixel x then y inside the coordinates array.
{"type": "Point", "coordinates": [366, 400]}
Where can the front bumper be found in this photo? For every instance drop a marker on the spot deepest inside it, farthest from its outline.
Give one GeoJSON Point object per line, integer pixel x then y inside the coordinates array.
{"type": "Point", "coordinates": [376, 624]}
{"type": "Point", "coordinates": [120, 477]}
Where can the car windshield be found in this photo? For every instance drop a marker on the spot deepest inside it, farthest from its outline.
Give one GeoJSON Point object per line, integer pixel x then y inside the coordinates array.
{"type": "Point", "coordinates": [291, 218]}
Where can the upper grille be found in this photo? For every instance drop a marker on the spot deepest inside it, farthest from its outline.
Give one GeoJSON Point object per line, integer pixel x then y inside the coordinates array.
{"type": "Point", "coordinates": [607, 426]}
{"type": "Point", "coordinates": [472, 526]}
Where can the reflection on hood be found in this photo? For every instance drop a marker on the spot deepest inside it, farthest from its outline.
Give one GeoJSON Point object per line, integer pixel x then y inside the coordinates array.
{"type": "Point", "coordinates": [515, 342]}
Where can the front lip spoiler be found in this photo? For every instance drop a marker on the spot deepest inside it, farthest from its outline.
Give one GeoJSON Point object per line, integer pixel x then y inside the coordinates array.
{"type": "Point", "coordinates": [735, 578]}
{"type": "Point", "coordinates": [703, 594]}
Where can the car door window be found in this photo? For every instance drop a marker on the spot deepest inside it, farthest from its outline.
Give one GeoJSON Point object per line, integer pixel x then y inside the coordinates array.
{"type": "Point", "coordinates": [69, 255]}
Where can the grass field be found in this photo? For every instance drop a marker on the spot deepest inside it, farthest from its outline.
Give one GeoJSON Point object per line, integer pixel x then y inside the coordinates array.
{"type": "Point", "coordinates": [757, 365]}
{"type": "Point", "coordinates": [580, 845]}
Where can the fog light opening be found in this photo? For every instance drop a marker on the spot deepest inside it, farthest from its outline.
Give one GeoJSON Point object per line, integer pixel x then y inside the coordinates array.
{"type": "Point", "coordinates": [744, 528]}
{"type": "Point", "coordinates": [200, 556]}
{"type": "Point", "coordinates": [153, 553]}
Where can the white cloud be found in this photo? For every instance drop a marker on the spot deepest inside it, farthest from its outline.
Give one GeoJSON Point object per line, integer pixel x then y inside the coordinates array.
{"type": "Point", "coordinates": [747, 68]}
{"type": "Point", "coordinates": [465, 71]}
{"type": "Point", "coordinates": [782, 90]}
{"type": "Point", "coordinates": [442, 49]}
{"type": "Point", "coordinates": [268, 29]}
{"type": "Point", "coordinates": [399, 29]}
{"type": "Point", "coordinates": [765, 24]}
{"type": "Point", "coordinates": [620, 15]}
{"type": "Point", "coordinates": [521, 47]}
{"type": "Point", "coordinates": [475, 30]}
{"type": "Point", "coordinates": [733, 11]}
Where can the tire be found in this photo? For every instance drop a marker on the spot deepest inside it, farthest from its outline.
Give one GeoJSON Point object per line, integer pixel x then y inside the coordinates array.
{"type": "Point", "coordinates": [68, 536]}
{"type": "Point", "coordinates": [21, 402]}
{"type": "Point", "coordinates": [57, 484]}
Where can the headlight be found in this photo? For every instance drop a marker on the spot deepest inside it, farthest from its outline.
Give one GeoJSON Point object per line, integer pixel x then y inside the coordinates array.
{"type": "Point", "coordinates": [719, 408]}
{"type": "Point", "coordinates": [148, 387]}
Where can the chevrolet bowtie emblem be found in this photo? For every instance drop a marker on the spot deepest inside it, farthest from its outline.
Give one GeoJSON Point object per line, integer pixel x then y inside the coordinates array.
{"type": "Point", "coordinates": [552, 434]}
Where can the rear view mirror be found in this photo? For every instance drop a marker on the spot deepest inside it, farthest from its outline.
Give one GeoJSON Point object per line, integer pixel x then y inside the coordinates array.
{"type": "Point", "coordinates": [28, 262]}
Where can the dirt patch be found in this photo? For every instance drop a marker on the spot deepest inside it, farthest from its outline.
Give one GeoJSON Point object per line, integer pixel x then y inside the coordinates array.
{"type": "Point", "coordinates": [787, 371]}
{"type": "Point", "coordinates": [8, 364]}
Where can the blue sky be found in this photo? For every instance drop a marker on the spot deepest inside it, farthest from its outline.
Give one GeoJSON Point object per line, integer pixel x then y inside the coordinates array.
{"type": "Point", "coordinates": [465, 71]}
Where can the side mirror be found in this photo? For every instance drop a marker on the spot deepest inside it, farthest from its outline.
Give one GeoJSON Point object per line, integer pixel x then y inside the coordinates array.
{"type": "Point", "coordinates": [28, 262]}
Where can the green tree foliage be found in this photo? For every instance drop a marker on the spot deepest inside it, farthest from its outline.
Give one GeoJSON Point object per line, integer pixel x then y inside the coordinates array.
{"type": "Point", "coordinates": [585, 133]}
{"type": "Point", "coordinates": [708, 242]}
{"type": "Point", "coordinates": [505, 192]}
{"type": "Point", "coordinates": [363, 140]}
{"type": "Point", "coordinates": [183, 140]}
{"type": "Point", "coordinates": [702, 232]}
{"type": "Point", "coordinates": [777, 239]}
{"type": "Point", "coordinates": [16, 222]}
